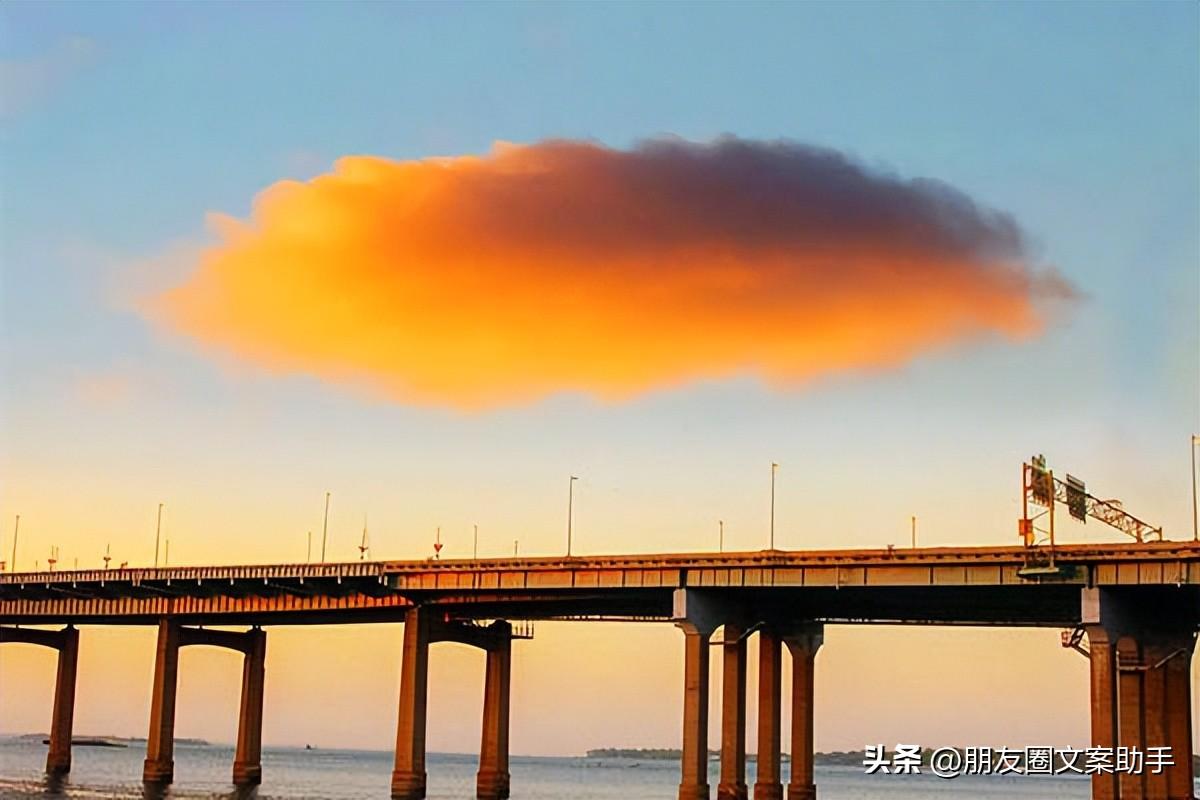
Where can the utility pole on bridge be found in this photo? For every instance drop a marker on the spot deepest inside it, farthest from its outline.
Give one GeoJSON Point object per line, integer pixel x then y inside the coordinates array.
{"type": "Point", "coordinates": [774, 469]}
{"type": "Point", "coordinates": [570, 511]}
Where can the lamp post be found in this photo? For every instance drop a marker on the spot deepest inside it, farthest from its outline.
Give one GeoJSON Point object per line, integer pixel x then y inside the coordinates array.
{"type": "Point", "coordinates": [774, 469]}
{"type": "Point", "coordinates": [721, 535]}
{"type": "Point", "coordinates": [157, 534]}
{"type": "Point", "coordinates": [570, 511]}
{"type": "Point", "coordinates": [1195, 518]}
{"type": "Point", "coordinates": [325, 528]}
{"type": "Point", "coordinates": [12, 565]}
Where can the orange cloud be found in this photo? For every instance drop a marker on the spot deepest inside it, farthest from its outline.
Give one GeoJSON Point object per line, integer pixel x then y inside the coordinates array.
{"type": "Point", "coordinates": [568, 266]}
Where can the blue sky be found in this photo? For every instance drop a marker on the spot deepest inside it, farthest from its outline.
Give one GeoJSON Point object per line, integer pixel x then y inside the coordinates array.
{"type": "Point", "coordinates": [134, 121]}
{"type": "Point", "coordinates": [1079, 119]}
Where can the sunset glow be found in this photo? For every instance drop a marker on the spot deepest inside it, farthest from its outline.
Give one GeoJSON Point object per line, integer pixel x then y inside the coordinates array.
{"type": "Point", "coordinates": [568, 266]}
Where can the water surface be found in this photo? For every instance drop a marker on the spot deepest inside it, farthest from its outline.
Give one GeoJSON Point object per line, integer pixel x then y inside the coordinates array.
{"type": "Point", "coordinates": [297, 774]}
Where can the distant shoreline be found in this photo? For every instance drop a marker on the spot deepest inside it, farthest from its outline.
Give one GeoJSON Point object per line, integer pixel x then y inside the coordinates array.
{"type": "Point", "coordinates": [832, 758]}
{"type": "Point", "coordinates": [101, 741]}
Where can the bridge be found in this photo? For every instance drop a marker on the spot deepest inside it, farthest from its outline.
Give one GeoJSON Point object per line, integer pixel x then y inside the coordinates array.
{"type": "Point", "coordinates": [1132, 609]}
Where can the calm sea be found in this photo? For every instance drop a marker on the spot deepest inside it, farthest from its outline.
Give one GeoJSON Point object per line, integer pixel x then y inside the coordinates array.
{"type": "Point", "coordinates": [294, 774]}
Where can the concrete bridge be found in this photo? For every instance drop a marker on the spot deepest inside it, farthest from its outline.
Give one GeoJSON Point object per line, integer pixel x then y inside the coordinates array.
{"type": "Point", "coordinates": [1133, 610]}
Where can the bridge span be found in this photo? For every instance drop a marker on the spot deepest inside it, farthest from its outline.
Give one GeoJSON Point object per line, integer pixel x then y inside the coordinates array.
{"type": "Point", "coordinates": [1132, 609]}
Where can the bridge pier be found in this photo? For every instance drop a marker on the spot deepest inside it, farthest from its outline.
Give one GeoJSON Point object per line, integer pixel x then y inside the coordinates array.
{"type": "Point", "coordinates": [693, 784]}
{"type": "Point", "coordinates": [697, 615]}
{"type": "Point", "coordinates": [421, 630]}
{"type": "Point", "coordinates": [408, 776]}
{"type": "Point", "coordinates": [247, 760]}
{"type": "Point", "coordinates": [158, 770]}
{"type": "Point", "coordinates": [62, 716]}
{"type": "Point", "coordinates": [733, 715]}
{"type": "Point", "coordinates": [768, 785]}
{"type": "Point", "coordinates": [1140, 694]}
{"type": "Point", "coordinates": [58, 758]}
{"type": "Point", "coordinates": [492, 782]}
{"type": "Point", "coordinates": [159, 766]}
{"type": "Point", "coordinates": [803, 645]}
{"type": "Point", "coordinates": [1177, 707]}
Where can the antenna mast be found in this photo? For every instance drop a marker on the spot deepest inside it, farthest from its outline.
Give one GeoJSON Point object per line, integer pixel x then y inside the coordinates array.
{"type": "Point", "coordinates": [364, 547]}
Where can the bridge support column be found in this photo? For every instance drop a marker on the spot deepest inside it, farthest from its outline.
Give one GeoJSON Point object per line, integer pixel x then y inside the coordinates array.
{"type": "Point", "coordinates": [1140, 692]}
{"type": "Point", "coordinates": [159, 767]}
{"type": "Point", "coordinates": [1130, 712]}
{"type": "Point", "coordinates": [1178, 712]}
{"type": "Point", "coordinates": [1154, 726]}
{"type": "Point", "coordinates": [1102, 656]}
{"type": "Point", "coordinates": [733, 715]}
{"type": "Point", "coordinates": [58, 759]}
{"type": "Point", "coordinates": [697, 614]}
{"type": "Point", "coordinates": [408, 776]}
{"type": "Point", "coordinates": [492, 782]}
{"type": "Point", "coordinates": [803, 646]}
{"type": "Point", "coordinates": [693, 784]}
{"type": "Point", "coordinates": [247, 761]}
{"type": "Point", "coordinates": [66, 643]}
{"type": "Point", "coordinates": [767, 785]}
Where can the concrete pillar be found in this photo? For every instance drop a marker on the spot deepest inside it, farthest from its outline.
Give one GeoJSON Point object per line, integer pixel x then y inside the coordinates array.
{"type": "Point", "coordinates": [733, 715]}
{"type": "Point", "coordinates": [159, 767]}
{"type": "Point", "coordinates": [1154, 691]}
{"type": "Point", "coordinates": [1131, 719]}
{"type": "Point", "coordinates": [492, 782]}
{"type": "Point", "coordinates": [767, 785]}
{"type": "Point", "coordinates": [58, 759]}
{"type": "Point", "coordinates": [408, 777]}
{"type": "Point", "coordinates": [693, 784]}
{"type": "Point", "coordinates": [1102, 658]}
{"type": "Point", "coordinates": [247, 760]}
{"type": "Point", "coordinates": [1177, 710]}
{"type": "Point", "coordinates": [803, 648]}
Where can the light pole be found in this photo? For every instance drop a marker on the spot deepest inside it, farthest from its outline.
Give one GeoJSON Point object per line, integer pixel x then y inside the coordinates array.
{"type": "Point", "coordinates": [157, 534]}
{"type": "Point", "coordinates": [570, 511]}
{"type": "Point", "coordinates": [914, 532]}
{"type": "Point", "coordinates": [325, 528]}
{"type": "Point", "coordinates": [774, 469]}
{"type": "Point", "coordinates": [12, 565]}
{"type": "Point", "coordinates": [1195, 520]}
{"type": "Point", "coordinates": [475, 545]}
{"type": "Point", "coordinates": [721, 539]}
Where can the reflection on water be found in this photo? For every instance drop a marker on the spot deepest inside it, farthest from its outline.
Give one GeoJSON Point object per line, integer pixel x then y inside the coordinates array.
{"type": "Point", "coordinates": [108, 773]}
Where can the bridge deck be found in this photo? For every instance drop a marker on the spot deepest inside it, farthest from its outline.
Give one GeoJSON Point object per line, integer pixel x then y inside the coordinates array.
{"type": "Point", "coordinates": [967, 585]}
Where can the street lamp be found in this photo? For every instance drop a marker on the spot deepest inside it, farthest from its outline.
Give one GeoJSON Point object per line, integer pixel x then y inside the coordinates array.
{"type": "Point", "coordinates": [157, 534]}
{"type": "Point", "coordinates": [1195, 521]}
{"type": "Point", "coordinates": [12, 565]}
{"type": "Point", "coordinates": [325, 528]}
{"type": "Point", "coordinates": [570, 511]}
{"type": "Point", "coordinates": [774, 469]}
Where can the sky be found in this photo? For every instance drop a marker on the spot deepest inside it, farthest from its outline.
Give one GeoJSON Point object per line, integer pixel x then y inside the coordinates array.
{"type": "Point", "coordinates": [138, 145]}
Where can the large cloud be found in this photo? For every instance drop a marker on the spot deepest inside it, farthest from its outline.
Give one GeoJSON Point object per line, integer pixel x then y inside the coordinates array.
{"type": "Point", "coordinates": [569, 266]}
